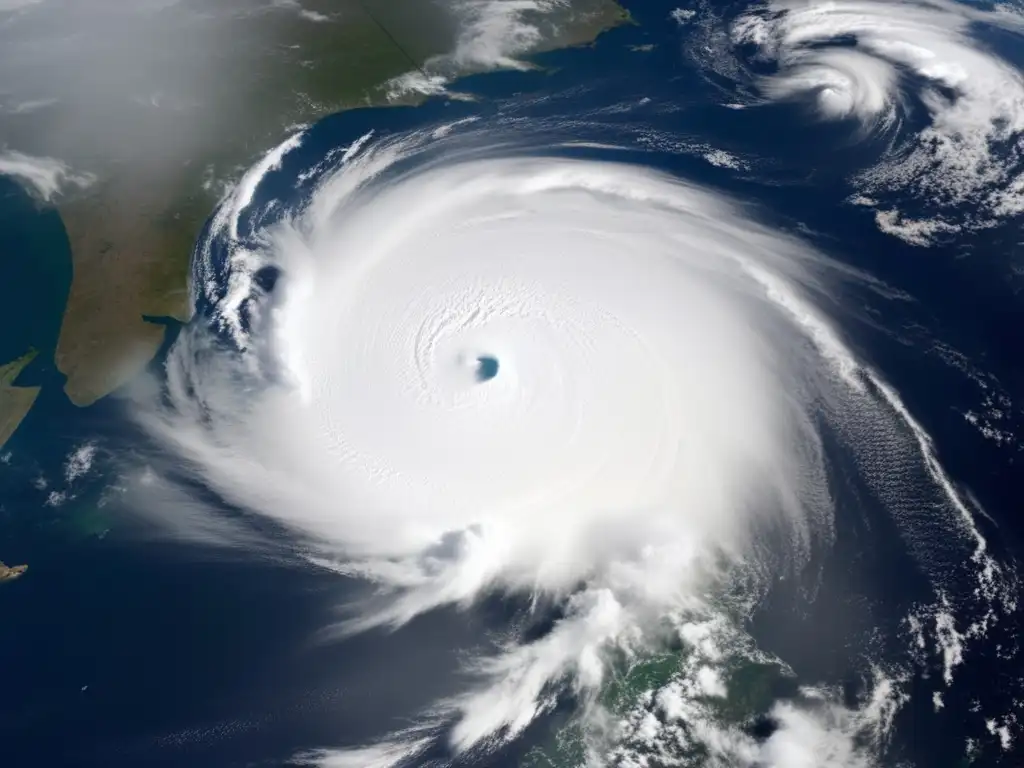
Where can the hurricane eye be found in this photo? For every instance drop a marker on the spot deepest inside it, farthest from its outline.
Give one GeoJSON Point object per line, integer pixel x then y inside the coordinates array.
{"type": "Point", "coordinates": [486, 368]}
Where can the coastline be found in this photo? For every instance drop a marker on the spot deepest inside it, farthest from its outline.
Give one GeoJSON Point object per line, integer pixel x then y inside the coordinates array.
{"type": "Point", "coordinates": [132, 232]}
{"type": "Point", "coordinates": [15, 401]}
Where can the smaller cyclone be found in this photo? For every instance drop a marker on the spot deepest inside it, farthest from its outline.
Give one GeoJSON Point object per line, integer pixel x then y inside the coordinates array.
{"type": "Point", "coordinates": [920, 74]}
{"type": "Point", "coordinates": [503, 370]}
{"type": "Point", "coordinates": [846, 84]}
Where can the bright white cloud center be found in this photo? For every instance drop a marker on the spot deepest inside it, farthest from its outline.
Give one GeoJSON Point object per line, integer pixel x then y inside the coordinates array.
{"type": "Point", "coordinates": [582, 380]}
{"type": "Point", "coordinates": [557, 367]}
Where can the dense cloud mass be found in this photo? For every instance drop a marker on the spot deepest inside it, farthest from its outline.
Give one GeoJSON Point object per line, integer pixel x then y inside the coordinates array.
{"type": "Point", "coordinates": [489, 370]}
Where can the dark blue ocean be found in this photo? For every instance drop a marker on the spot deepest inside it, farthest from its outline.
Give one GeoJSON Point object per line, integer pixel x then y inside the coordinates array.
{"type": "Point", "coordinates": [121, 648]}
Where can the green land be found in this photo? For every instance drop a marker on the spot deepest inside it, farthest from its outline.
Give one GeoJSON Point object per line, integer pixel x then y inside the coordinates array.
{"type": "Point", "coordinates": [15, 402]}
{"type": "Point", "coordinates": [10, 573]}
{"type": "Point", "coordinates": [253, 73]}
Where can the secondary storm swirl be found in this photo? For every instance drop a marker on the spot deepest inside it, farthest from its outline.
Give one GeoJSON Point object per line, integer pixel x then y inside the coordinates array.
{"type": "Point", "coordinates": [455, 373]}
{"type": "Point", "coordinates": [925, 77]}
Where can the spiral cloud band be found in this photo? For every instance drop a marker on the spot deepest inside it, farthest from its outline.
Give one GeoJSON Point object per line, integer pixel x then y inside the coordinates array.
{"type": "Point", "coordinates": [924, 78]}
{"type": "Point", "coordinates": [454, 372]}
{"type": "Point", "coordinates": [489, 341]}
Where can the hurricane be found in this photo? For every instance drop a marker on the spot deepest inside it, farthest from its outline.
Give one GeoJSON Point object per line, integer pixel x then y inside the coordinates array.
{"type": "Point", "coordinates": [459, 363]}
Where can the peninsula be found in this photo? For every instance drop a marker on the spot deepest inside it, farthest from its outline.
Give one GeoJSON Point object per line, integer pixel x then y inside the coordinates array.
{"type": "Point", "coordinates": [155, 109]}
{"type": "Point", "coordinates": [10, 573]}
{"type": "Point", "coordinates": [15, 402]}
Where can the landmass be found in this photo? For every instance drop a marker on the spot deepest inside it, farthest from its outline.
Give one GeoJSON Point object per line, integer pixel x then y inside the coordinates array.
{"type": "Point", "coordinates": [12, 572]}
{"type": "Point", "coordinates": [162, 134]}
{"type": "Point", "coordinates": [15, 402]}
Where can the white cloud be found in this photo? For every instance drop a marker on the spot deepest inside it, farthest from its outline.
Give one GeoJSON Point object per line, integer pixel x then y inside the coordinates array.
{"type": "Point", "coordinates": [682, 16]}
{"type": "Point", "coordinates": [26, 107]}
{"type": "Point", "coordinates": [493, 34]}
{"type": "Point", "coordinates": [295, 5]}
{"type": "Point", "coordinates": [872, 63]}
{"type": "Point", "coordinates": [45, 176]}
{"type": "Point", "coordinates": [79, 462]}
{"type": "Point", "coordinates": [919, 232]}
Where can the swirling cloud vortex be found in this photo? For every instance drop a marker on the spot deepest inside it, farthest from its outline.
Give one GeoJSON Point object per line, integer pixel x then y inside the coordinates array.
{"type": "Point", "coordinates": [487, 371]}
{"type": "Point", "coordinates": [557, 356]}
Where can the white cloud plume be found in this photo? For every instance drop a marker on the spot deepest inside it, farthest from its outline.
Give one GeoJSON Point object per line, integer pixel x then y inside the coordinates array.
{"type": "Point", "coordinates": [45, 176]}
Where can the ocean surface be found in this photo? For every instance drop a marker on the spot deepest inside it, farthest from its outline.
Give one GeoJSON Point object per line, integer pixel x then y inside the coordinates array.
{"type": "Point", "coordinates": [121, 648]}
